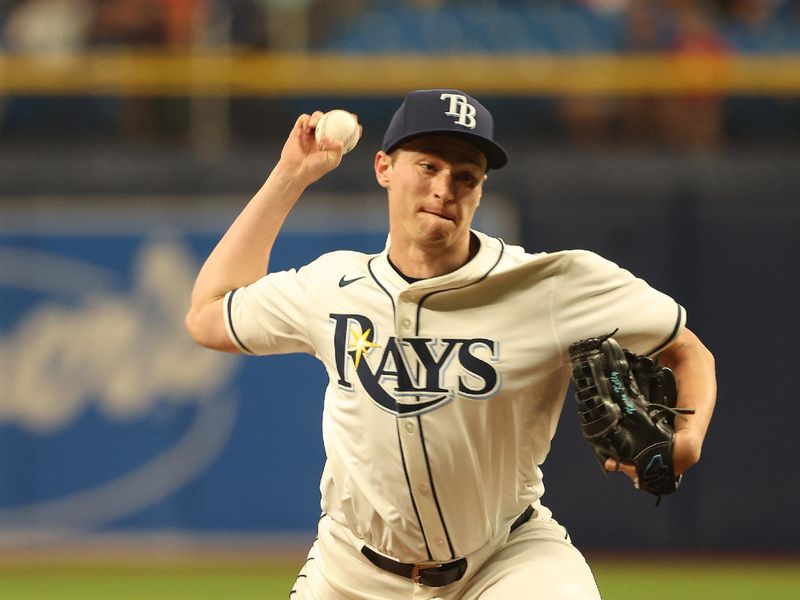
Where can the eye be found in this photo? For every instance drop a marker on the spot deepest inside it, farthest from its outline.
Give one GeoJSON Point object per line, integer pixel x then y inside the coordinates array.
{"type": "Point", "coordinates": [467, 177]}
{"type": "Point", "coordinates": [427, 167]}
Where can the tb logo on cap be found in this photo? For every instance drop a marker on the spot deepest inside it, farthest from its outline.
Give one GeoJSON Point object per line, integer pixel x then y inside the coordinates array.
{"type": "Point", "coordinates": [459, 107]}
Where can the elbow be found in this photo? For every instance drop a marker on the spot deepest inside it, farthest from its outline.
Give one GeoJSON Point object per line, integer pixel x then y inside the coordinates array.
{"type": "Point", "coordinates": [207, 328]}
{"type": "Point", "coordinates": [192, 324]}
{"type": "Point", "coordinates": [688, 349]}
{"type": "Point", "coordinates": [712, 362]}
{"type": "Point", "coordinates": [196, 327]}
{"type": "Point", "coordinates": [689, 345]}
{"type": "Point", "coordinates": [705, 354]}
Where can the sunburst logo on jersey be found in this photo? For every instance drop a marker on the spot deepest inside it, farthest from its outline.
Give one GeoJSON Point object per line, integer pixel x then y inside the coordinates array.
{"type": "Point", "coordinates": [361, 345]}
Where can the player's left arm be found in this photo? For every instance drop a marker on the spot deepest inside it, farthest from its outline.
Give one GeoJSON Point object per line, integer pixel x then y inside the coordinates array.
{"type": "Point", "coordinates": [695, 373]}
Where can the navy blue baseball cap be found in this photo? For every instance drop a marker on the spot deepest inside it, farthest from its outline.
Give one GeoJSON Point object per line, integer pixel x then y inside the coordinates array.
{"type": "Point", "coordinates": [448, 112]}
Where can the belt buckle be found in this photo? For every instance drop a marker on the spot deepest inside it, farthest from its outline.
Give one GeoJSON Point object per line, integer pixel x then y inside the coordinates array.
{"type": "Point", "coordinates": [417, 567]}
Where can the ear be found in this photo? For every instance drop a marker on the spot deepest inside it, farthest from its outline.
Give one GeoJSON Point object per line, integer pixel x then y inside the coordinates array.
{"type": "Point", "coordinates": [485, 177]}
{"type": "Point", "coordinates": [383, 169]}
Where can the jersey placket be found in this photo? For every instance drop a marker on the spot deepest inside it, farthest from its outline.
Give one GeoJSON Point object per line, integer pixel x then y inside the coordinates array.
{"type": "Point", "coordinates": [412, 444]}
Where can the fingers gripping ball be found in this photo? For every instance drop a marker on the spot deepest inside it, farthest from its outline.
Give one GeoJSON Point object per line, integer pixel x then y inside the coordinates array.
{"type": "Point", "coordinates": [338, 125]}
{"type": "Point", "coordinates": [626, 406]}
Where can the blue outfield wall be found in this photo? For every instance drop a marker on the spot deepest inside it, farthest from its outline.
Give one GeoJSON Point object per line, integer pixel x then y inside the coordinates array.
{"type": "Point", "coordinates": [112, 421]}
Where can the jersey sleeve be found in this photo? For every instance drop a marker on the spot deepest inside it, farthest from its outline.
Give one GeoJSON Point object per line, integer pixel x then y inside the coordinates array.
{"type": "Point", "coordinates": [269, 315]}
{"type": "Point", "coordinates": [593, 296]}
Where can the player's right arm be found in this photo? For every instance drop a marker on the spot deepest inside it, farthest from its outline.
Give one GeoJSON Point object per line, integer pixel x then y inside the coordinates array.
{"type": "Point", "coordinates": [242, 255]}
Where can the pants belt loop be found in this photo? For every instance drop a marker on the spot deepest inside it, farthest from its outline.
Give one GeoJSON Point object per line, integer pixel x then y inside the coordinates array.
{"type": "Point", "coordinates": [415, 573]}
{"type": "Point", "coordinates": [522, 519]}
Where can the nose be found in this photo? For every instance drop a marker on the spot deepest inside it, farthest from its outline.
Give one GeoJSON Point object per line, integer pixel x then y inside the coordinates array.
{"type": "Point", "coordinates": [443, 185]}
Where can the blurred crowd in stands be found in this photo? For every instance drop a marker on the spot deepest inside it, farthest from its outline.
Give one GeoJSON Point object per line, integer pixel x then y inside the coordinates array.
{"type": "Point", "coordinates": [716, 27]}
{"type": "Point", "coordinates": [390, 25]}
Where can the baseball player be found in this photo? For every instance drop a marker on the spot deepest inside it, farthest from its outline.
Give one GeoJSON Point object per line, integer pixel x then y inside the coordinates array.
{"type": "Point", "coordinates": [447, 358]}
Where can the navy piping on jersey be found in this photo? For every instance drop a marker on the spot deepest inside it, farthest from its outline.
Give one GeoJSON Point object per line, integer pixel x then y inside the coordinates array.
{"type": "Point", "coordinates": [410, 492]}
{"type": "Point", "coordinates": [403, 275]}
{"type": "Point", "coordinates": [379, 284]}
{"type": "Point", "coordinates": [229, 312]}
{"type": "Point", "coordinates": [484, 276]}
{"type": "Point", "coordinates": [419, 417]}
{"type": "Point", "coordinates": [671, 336]}
{"type": "Point", "coordinates": [433, 487]}
{"type": "Point", "coordinates": [397, 424]}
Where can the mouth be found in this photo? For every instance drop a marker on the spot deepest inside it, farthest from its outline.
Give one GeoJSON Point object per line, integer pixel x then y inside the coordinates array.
{"type": "Point", "coordinates": [439, 215]}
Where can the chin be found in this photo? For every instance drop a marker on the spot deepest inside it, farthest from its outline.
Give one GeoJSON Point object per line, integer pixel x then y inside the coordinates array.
{"type": "Point", "coordinates": [439, 238]}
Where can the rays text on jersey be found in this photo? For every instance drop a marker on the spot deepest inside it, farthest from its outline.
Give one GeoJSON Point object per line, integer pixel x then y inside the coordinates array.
{"type": "Point", "coordinates": [414, 374]}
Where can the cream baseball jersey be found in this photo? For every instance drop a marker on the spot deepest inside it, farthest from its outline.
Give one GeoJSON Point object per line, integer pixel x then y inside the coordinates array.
{"type": "Point", "coordinates": [444, 393]}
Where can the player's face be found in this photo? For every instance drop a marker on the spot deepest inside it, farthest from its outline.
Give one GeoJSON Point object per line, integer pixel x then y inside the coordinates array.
{"type": "Point", "coordinates": [435, 185]}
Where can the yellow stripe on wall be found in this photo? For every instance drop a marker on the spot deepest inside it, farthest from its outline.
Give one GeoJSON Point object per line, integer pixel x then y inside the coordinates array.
{"type": "Point", "coordinates": [264, 74]}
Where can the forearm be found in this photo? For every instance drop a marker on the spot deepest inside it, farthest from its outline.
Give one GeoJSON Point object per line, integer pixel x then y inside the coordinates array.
{"type": "Point", "coordinates": [242, 255]}
{"type": "Point", "coordinates": [695, 374]}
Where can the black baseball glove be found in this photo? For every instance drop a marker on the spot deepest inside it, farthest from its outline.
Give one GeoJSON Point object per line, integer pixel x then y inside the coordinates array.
{"type": "Point", "coordinates": [626, 406]}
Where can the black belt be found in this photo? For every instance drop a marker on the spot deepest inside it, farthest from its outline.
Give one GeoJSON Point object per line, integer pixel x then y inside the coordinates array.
{"type": "Point", "coordinates": [432, 574]}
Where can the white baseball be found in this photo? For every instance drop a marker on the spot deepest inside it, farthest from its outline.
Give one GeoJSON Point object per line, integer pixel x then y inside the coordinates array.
{"type": "Point", "coordinates": [338, 125]}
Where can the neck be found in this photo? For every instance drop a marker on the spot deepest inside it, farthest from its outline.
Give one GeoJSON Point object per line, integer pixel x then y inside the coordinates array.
{"type": "Point", "coordinates": [422, 263]}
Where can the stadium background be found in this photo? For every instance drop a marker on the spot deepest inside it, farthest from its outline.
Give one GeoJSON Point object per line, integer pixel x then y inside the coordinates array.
{"type": "Point", "coordinates": [663, 134]}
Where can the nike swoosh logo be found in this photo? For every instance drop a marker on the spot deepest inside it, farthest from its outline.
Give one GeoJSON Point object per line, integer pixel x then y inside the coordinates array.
{"type": "Point", "coordinates": [343, 281]}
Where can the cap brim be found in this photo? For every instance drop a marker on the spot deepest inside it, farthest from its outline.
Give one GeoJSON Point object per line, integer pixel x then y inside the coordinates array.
{"type": "Point", "coordinates": [496, 156]}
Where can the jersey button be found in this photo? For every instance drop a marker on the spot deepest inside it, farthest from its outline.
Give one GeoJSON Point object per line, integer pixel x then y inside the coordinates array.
{"type": "Point", "coordinates": [423, 489]}
{"type": "Point", "coordinates": [439, 542]}
{"type": "Point", "coordinates": [406, 323]}
{"type": "Point", "coordinates": [409, 427]}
